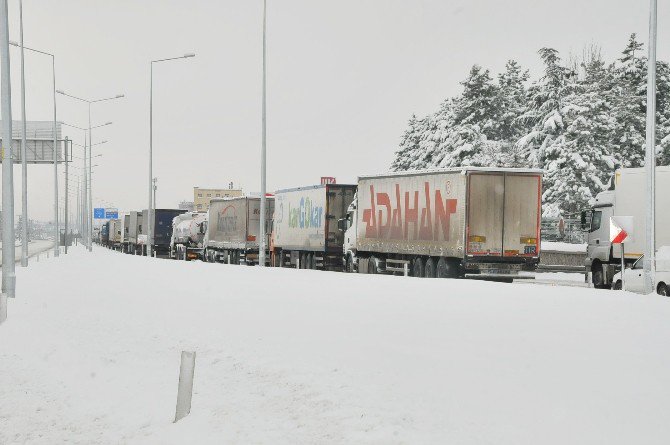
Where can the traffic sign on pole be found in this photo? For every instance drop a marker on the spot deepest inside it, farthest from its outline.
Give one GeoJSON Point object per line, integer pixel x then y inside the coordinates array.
{"type": "Point", "coordinates": [99, 213]}
{"type": "Point", "coordinates": [621, 229]}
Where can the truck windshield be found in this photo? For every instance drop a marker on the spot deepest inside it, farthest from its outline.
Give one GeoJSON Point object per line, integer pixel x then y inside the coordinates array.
{"type": "Point", "coordinates": [596, 220]}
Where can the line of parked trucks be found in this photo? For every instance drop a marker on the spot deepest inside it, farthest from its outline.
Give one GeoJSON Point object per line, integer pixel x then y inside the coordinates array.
{"type": "Point", "coordinates": [460, 222]}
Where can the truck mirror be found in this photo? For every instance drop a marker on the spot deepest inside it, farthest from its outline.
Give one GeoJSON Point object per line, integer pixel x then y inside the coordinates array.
{"type": "Point", "coordinates": [583, 219]}
{"type": "Point", "coordinates": [342, 224]}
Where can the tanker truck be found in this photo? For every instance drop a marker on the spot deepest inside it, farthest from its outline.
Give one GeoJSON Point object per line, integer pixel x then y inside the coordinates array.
{"type": "Point", "coordinates": [188, 231]}
{"type": "Point", "coordinates": [448, 223]}
{"type": "Point", "coordinates": [304, 228]}
{"type": "Point", "coordinates": [233, 230]}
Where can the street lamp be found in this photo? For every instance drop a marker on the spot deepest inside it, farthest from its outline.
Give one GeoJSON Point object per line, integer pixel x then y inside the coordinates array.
{"type": "Point", "coordinates": [85, 210]}
{"type": "Point", "coordinates": [649, 263]}
{"type": "Point", "coordinates": [151, 142]}
{"type": "Point", "coordinates": [90, 196]}
{"type": "Point", "coordinates": [263, 236]}
{"type": "Point", "coordinates": [55, 151]}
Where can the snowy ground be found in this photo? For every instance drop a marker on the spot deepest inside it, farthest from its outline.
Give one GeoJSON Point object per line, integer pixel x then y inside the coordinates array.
{"type": "Point", "coordinates": [90, 354]}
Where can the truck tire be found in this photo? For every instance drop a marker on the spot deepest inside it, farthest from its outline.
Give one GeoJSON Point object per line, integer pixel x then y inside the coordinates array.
{"type": "Point", "coordinates": [429, 270]}
{"type": "Point", "coordinates": [663, 289]}
{"type": "Point", "coordinates": [446, 269]}
{"type": "Point", "coordinates": [311, 261]}
{"type": "Point", "coordinates": [349, 265]}
{"type": "Point", "coordinates": [417, 267]}
{"type": "Point", "coordinates": [597, 276]}
{"type": "Point", "coordinates": [372, 265]}
{"type": "Point", "coordinates": [617, 285]}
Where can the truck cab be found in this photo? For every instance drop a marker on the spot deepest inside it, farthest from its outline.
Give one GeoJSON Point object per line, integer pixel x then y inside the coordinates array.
{"type": "Point", "coordinates": [348, 226]}
{"type": "Point", "coordinates": [595, 221]}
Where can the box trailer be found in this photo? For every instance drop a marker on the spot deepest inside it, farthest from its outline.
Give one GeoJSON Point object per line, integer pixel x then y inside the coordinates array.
{"type": "Point", "coordinates": [305, 232]}
{"type": "Point", "coordinates": [627, 197]}
{"type": "Point", "coordinates": [233, 230]}
{"type": "Point", "coordinates": [469, 221]}
{"type": "Point", "coordinates": [161, 229]}
{"type": "Point", "coordinates": [115, 233]}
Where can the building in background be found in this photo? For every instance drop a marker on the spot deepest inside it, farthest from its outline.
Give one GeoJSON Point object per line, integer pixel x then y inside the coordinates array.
{"type": "Point", "coordinates": [202, 196]}
{"type": "Point", "coordinates": [187, 205]}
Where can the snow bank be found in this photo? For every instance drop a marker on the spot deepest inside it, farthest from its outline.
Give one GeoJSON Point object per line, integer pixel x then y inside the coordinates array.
{"type": "Point", "coordinates": [90, 354]}
{"type": "Point", "coordinates": [557, 246]}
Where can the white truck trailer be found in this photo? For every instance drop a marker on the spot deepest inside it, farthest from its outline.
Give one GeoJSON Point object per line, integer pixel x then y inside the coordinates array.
{"type": "Point", "coordinates": [305, 226]}
{"type": "Point", "coordinates": [469, 221]}
{"type": "Point", "coordinates": [115, 234]}
{"type": "Point", "coordinates": [233, 230]}
{"type": "Point", "coordinates": [135, 232]}
{"type": "Point", "coordinates": [188, 232]}
{"type": "Point", "coordinates": [627, 198]}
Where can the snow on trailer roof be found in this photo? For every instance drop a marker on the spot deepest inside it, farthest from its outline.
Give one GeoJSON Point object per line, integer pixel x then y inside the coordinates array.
{"type": "Point", "coordinates": [312, 187]}
{"type": "Point", "coordinates": [463, 170]}
{"type": "Point", "coordinates": [233, 198]}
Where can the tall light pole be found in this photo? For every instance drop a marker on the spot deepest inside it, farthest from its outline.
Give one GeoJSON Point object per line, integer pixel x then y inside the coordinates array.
{"type": "Point", "coordinates": [86, 182]}
{"type": "Point", "coordinates": [24, 162]}
{"type": "Point", "coordinates": [8, 271]}
{"type": "Point", "coordinates": [151, 145]}
{"type": "Point", "coordinates": [650, 161]}
{"type": "Point", "coordinates": [90, 194]}
{"type": "Point", "coordinates": [55, 141]}
{"type": "Point", "coordinates": [263, 236]}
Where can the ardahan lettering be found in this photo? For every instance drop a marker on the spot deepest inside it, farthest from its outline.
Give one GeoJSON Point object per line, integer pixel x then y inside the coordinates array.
{"type": "Point", "coordinates": [407, 217]}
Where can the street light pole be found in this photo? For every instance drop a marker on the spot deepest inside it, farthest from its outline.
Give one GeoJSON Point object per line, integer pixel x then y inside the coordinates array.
{"type": "Point", "coordinates": [8, 271]}
{"type": "Point", "coordinates": [89, 217]}
{"type": "Point", "coordinates": [150, 208]}
{"type": "Point", "coordinates": [65, 216]}
{"type": "Point", "coordinates": [650, 161]}
{"type": "Point", "coordinates": [55, 136]}
{"type": "Point", "coordinates": [263, 236]}
{"type": "Point", "coordinates": [24, 162]}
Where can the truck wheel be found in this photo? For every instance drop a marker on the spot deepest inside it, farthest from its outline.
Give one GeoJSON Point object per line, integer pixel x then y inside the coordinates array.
{"type": "Point", "coordinates": [597, 277]}
{"type": "Point", "coordinates": [617, 285]}
{"type": "Point", "coordinates": [349, 267]}
{"type": "Point", "coordinates": [311, 261]}
{"type": "Point", "coordinates": [417, 267]}
{"type": "Point", "coordinates": [372, 265]}
{"type": "Point", "coordinates": [663, 290]}
{"type": "Point", "coordinates": [429, 271]}
{"type": "Point", "coordinates": [446, 269]}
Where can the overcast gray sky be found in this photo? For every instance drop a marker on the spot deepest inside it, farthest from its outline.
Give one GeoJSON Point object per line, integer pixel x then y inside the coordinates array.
{"type": "Point", "coordinates": [343, 78]}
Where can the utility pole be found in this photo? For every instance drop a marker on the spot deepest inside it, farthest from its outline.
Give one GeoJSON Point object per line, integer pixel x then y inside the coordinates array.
{"type": "Point", "coordinates": [8, 271]}
{"type": "Point", "coordinates": [263, 235]}
{"type": "Point", "coordinates": [650, 160]}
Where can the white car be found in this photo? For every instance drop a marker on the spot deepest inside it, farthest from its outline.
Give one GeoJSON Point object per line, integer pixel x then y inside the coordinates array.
{"type": "Point", "coordinates": [634, 279]}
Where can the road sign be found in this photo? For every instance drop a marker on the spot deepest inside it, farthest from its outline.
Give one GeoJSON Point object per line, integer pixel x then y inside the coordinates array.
{"type": "Point", "coordinates": [99, 213]}
{"type": "Point", "coordinates": [112, 213]}
{"type": "Point", "coordinates": [621, 229]}
{"type": "Point", "coordinates": [325, 180]}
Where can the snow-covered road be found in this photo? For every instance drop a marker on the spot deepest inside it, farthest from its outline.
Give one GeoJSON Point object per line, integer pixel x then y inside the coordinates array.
{"type": "Point", "coordinates": [90, 354]}
{"type": "Point", "coordinates": [34, 247]}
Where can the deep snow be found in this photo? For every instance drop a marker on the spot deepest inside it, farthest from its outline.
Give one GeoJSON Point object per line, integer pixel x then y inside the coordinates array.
{"type": "Point", "coordinates": [90, 354]}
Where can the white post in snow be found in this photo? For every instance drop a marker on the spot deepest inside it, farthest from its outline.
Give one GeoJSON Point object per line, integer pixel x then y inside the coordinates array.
{"type": "Point", "coordinates": [650, 159]}
{"type": "Point", "coordinates": [406, 269]}
{"type": "Point", "coordinates": [185, 389]}
{"type": "Point", "coordinates": [3, 308]}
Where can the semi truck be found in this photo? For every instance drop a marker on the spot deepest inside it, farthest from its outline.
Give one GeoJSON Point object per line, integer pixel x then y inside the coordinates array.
{"type": "Point", "coordinates": [233, 230]}
{"type": "Point", "coordinates": [161, 230]}
{"type": "Point", "coordinates": [125, 225]}
{"type": "Point", "coordinates": [135, 224]}
{"type": "Point", "coordinates": [115, 234]}
{"type": "Point", "coordinates": [104, 234]}
{"type": "Point", "coordinates": [447, 223]}
{"type": "Point", "coordinates": [626, 197]}
{"type": "Point", "coordinates": [305, 230]}
{"type": "Point", "coordinates": [188, 232]}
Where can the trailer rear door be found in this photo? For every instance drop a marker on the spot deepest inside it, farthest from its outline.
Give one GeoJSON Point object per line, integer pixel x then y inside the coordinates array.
{"type": "Point", "coordinates": [486, 200]}
{"type": "Point", "coordinates": [522, 215]}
